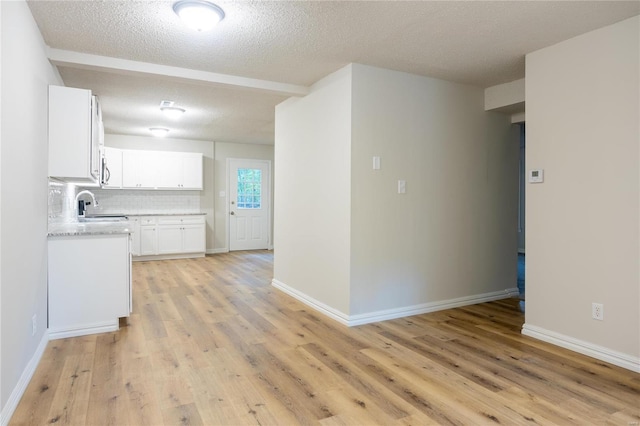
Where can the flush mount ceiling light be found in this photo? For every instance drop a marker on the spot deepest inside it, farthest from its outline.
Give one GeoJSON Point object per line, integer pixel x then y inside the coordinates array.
{"type": "Point", "coordinates": [172, 111]}
{"type": "Point", "coordinates": [199, 15]}
{"type": "Point", "coordinates": [159, 132]}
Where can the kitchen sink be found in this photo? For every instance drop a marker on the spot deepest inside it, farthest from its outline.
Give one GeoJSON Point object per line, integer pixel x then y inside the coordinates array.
{"type": "Point", "coordinates": [104, 218]}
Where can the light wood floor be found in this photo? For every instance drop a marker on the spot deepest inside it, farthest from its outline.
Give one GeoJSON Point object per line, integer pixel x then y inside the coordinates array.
{"type": "Point", "coordinates": [211, 342]}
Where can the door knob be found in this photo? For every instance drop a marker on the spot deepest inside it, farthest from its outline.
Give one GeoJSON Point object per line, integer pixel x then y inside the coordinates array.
{"type": "Point", "coordinates": [233, 213]}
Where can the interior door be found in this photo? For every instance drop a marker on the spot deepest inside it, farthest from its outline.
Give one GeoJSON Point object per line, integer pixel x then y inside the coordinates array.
{"type": "Point", "coordinates": [249, 204]}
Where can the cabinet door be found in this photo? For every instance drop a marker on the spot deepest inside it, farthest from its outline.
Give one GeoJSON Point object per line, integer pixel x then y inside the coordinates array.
{"type": "Point", "coordinates": [169, 170]}
{"type": "Point", "coordinates": [148, 240]}
{"type": "Point", "coordinates": [130, 169]}
{"type": "Point", "coordinates": [139, 169]}
{"type": "Point", "coordinates": [70, 134]}
{"type": "Point", "coordinates": [96, 128]}
{"type": "Point", "coordinates": [169, 239]}
{"type": "Point", "coordinates": [113, 159]}
{"type": "Point", "coordinates": [192, 171]}
{"type": "Point", "coordinates": [193, 240]}
{"type": "Point", "coordinates": [135, 236]}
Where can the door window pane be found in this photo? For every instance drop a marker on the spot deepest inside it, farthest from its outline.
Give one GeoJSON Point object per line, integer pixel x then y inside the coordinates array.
{"type": "Point", "coordinates": [249, 184]}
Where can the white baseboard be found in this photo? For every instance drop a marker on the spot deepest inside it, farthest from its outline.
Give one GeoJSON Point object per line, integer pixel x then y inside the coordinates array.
{"type": "Point", "coordinates": [327, 310]}
{"type": "Point", "coordinates": [388, 314]}
{"type": "Point", "coordinates": [218, 250]}
{"type": "Point", "coordinates": [599, 352]}
{"type": "Point", "coordinates": [101, 327]}
{"type": "Point", "coordinates": [167, 256]}
{"type": "Point", "coordinates": [14, 399]}
{"type": "Point", "coordinates": [423, 308]}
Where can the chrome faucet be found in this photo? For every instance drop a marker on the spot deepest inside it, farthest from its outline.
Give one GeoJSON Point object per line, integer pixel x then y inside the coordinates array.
{"type": "Point", "coordinates": [81, 204]}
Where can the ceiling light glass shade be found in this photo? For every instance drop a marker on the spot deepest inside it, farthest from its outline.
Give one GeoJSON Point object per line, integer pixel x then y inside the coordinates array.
{"type": "Point", "coordinates": [159, 132]}
{"type": "Point", "coordinates": [172, 112]}
{"type": "Point", "coordinates": [199, 15]}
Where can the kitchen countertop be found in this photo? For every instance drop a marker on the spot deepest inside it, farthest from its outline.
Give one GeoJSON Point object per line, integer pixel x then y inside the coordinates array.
{"type": "Point", "coordinates": [164, 214]}
{"type": "Point", "coordinates": [69, 229]}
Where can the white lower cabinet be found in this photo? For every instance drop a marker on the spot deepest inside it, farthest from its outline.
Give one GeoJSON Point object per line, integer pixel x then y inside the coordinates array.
{"type": "Point", "coordinates": [193, 238]}
{"type": "Point", "coordinates": [169, 239]}
{"type": "Point", "coordinates": [89, 284]}
{"type": "Point", "coordinates": [148, 240]}
{"type": "Point", "coordinates": [170, 236]}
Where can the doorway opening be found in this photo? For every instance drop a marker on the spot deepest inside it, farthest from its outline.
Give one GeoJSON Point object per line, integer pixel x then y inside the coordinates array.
{"type": "Point", "coordinates": [521, 217]}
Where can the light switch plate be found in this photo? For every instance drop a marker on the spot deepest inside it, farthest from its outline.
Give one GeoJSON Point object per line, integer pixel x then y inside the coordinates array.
{"type": "Point", "coordinates": [376, 163]}
{"type": "Point", "coordinates": [536, 176]}
{"type": "Point", "coordinates": [402, 187]}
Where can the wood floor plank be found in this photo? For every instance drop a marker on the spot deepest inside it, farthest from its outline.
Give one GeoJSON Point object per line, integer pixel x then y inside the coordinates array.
{"type": "Point", "coordinates": [211, 342]}
{"type": "Point", "coordinates": [144, 408]}
{"type": "Point", "coordinates": [72, 395]}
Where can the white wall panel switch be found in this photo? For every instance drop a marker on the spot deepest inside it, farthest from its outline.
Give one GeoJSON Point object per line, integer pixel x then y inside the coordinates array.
{"type": "Point", "coordinates": [402, 187]}
{"type": "Point", "coordinates": [536, 176]}
{"type": "Point", "coordinates": [376, 163]}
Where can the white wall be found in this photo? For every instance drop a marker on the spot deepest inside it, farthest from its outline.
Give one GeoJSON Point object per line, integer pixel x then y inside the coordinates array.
{"type": "Point", "coordinates": [26, 73]}
{"type": "Point", "coordinates": [312, 192]}
{"type": "Point", "coordinates": [583, 230]}
{"type": "Point", "coordinates": [170, 198]}
{"type": "Point", "coordinates": [453, 234]}
{"type": "Point", "coordinates": [223, 151]}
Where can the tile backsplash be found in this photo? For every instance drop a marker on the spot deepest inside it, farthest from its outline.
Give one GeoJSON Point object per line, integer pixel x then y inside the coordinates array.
{"type": "Point", "coordinates": [61, 206]}
{"type": "Point", "coordinates": [61, 200]}
{"type": "Point", "coordinates": [145, 201]}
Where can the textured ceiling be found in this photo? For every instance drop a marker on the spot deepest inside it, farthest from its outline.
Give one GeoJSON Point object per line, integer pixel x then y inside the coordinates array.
{"type": "Point", "coordinates": [299, 42]}
{"type": "Point", "coordinates": [131, 105]}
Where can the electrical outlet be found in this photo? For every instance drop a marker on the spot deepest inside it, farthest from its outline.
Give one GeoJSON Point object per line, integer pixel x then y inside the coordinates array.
{"type": "Point", "coordinates": [597, 311]}
{"type": "Point", "coordinates": [34, 324]}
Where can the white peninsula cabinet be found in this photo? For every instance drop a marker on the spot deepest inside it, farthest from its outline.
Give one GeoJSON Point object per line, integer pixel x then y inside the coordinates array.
{"type": "Point", "coordinates": [89, 282]}
{"type": "Point", "coordinates": [168, 237]}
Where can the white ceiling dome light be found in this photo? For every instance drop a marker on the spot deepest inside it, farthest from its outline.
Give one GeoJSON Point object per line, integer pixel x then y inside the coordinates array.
{"type": "Point", "coordinates": [172, 112]}
{"type": "Point", "coordinates": [199, 15]}
{"type": "Point", "coordinates": [159, 132]}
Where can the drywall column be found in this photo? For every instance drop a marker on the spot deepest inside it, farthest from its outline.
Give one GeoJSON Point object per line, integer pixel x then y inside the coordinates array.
{"type": "Point", "coordinates": [451, 238]}
{"type": "Point", "coordinates": [312, 195]}
{"type": "Point", "coordinates": [583, 230]}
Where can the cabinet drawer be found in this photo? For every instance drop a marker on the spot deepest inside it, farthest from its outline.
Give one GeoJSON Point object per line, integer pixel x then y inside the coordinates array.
{"type": "Point", "coordinates": [144, 220]}
{"type": "Point", "coordinates": [181, 220]}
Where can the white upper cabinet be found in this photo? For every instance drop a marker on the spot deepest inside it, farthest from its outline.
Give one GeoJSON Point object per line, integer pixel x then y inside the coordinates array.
{"type": "Point", "coordinates": [139, 169]}
{"type": "Point", "coordinates": [179, 170]}
{"type": "Point", "coordinates": [169, 170]}
{"type": "Point", "coordinates": [191, 171]}
{"type": "Point", "coordinates": [113, 161]}
{"type": "Point", "coordinates": [75, 132]}
{"type": "Point", "coordinates": [160, 170]}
